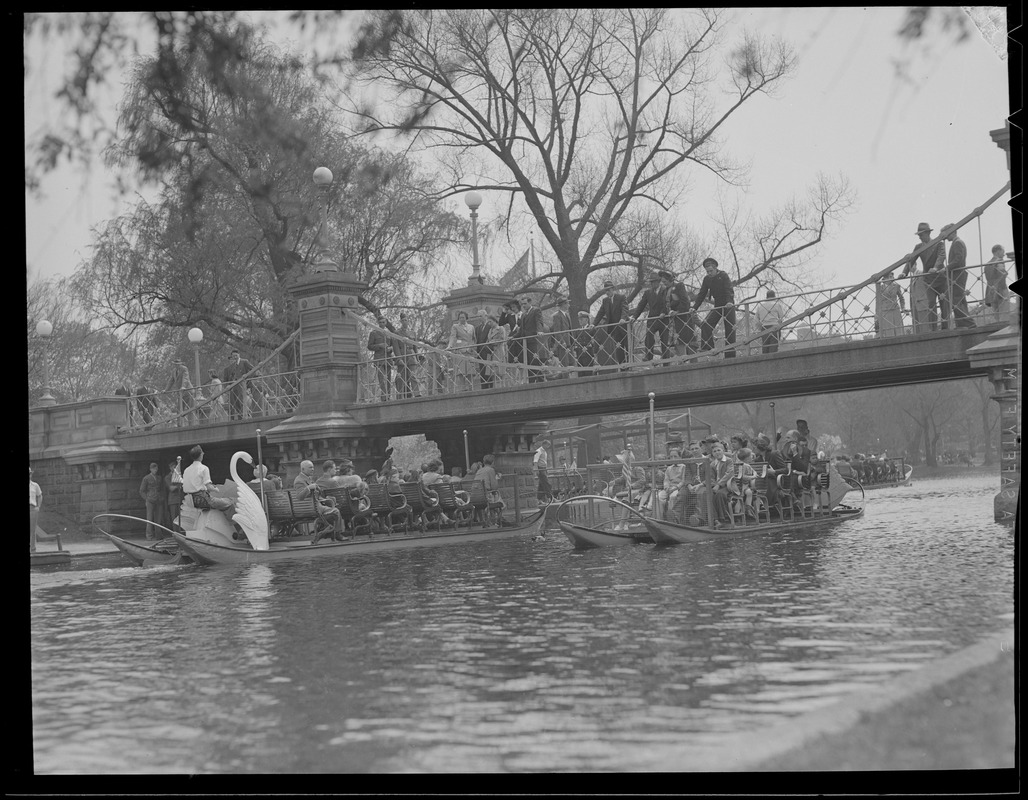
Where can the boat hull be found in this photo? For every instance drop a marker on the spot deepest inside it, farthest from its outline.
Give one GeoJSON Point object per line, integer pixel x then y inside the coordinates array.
{"type": "Point", "coordinates": [584, 537]}
{"type": "Point", "coordinates": [210, 553]}
{"type": "Point", "coordinates": [166, 552]}
{"type": "Point", "coordinates": [140, 554]}
{"type": "Point", "coordinates": [664, 532]}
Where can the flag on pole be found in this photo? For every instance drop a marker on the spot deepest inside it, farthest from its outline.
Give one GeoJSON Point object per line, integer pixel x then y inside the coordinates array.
{"type": "Point", "coordinates": [517, 275]}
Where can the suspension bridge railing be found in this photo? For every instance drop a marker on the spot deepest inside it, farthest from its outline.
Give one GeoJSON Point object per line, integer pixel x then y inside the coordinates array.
{"type": "Point", "coordinates": [904, 306]}
{"type": "Point", "coordinates": [258, 396]}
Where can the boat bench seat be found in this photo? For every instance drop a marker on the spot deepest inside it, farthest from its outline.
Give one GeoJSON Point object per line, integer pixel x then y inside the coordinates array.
{"type": "Point", "coordinates": [289, 515]}
{"type": "Point", "coordinates": [486, 510]}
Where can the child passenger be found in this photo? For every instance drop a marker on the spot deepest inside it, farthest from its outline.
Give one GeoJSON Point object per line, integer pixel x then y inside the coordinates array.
{"type": "Point", "coordinates": [741, 484]}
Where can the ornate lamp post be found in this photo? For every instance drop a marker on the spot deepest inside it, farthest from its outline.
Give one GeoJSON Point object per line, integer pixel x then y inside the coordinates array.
{"type": "Point", "coordinates": [195, 338]}
{"type": "Point", "coordinates": [473, 200]}
{"type": "Point", "coordinates": [43, 329]}
{"type": "Point", "coordinates": [323, 180]}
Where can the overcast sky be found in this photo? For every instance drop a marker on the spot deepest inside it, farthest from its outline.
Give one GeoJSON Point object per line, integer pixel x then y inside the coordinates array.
{"type": "Point", "coordinates": [913, 151]}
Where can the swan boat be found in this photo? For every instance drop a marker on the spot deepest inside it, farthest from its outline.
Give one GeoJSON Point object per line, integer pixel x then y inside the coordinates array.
{"type": "Point", "coordinates": [591, 521]}
{"type": "Point", "coordinates": [211, 538]}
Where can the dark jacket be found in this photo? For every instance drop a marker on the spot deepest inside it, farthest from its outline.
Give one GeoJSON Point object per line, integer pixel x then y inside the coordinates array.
{"type": "Point", "coordinates": [612, 309]}
{"type": "Point", "coordinates": [654, 302]}
{"type": "Point", "coordinates": [718, 287]}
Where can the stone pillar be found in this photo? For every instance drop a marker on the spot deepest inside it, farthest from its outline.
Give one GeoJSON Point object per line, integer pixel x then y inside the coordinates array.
{"type": "Point", "coordinates": [1005, 503]}
{"type": "Point", "coordinates": [471, 298]}
{"type": "Point", "coordinates": [329, 349]}
{"type": "Point", "coordinates": [1000, 354]}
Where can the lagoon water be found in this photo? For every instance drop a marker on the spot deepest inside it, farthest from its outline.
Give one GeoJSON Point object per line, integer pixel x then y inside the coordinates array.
{"type": "Point", "coordinates": [512, 656]}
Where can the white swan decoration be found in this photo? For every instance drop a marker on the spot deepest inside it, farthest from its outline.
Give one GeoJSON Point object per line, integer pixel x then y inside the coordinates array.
{"type": "Point", "coordinates": [249, 511]}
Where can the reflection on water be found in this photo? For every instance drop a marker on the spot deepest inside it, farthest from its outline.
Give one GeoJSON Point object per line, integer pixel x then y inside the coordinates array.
{"type": "Point", "coordinates": [506, 656]}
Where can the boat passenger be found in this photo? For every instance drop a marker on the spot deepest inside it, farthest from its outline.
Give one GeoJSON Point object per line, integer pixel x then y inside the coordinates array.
{"type": "Point", "coordinates": [490, 479]}
{"type": "Point", "coordinates": [305, 485]}
{"type": "Point", "coordinates": [348, 479]}
{"type": "Point", "coordinates": [721, 472]}
{"type": "Point", "coordinates": [672, 484]}
{"type": "Point", "coordinates": [843, 467]}
{"type": "Point", "coordinates": [197, 485]}
{"type": "Point", "coordinates": [737, 443]}
{"type": "Point", "coordinates": [329, 478]}
{"type": "Point", "coordinates": [261, 480]}
{"type": "Point", "coordinates": [740, 485]}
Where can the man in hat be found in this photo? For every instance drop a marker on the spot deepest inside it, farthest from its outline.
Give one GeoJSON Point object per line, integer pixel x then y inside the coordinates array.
{"type": "Point", "coordinates": [925, 292]}
{"type": "Point", "coordinates": [531, 325]}
{"type": "Point", "coordinates": [679, 306]}
{"type": "Point", "coordinates": [511, 316]}
{"type": "Point", "coordinates": [718, 287]}
{"type": "Point", "coordinates": [612, 316]}
{"type": "Point", "coordinates": [654, 303]}
{"type": "Point", "coordinates": [560, 333]}
{"type": "Point", "coordinates": [236, 369]}
{"type": "Point", "coordinates": [956, 268]}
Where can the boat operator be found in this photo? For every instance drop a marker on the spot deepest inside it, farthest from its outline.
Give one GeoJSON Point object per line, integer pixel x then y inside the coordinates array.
{"type": "Point", "coordinates": [196, 484]}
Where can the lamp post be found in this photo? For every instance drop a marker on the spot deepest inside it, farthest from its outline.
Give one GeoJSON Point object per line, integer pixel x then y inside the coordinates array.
{"type": "Point", "coordinates": [467, 458]}
{"type": "Point", "coordinates": [195, 338]}
{"type": "Point", "coordinates": [473, 200]}
{"type": "Point", "coordinates": [43, 329]}
{"type": "Point", "coordinates": [774, 427]}
{"type": "Point", "coordinates": [323, 180]}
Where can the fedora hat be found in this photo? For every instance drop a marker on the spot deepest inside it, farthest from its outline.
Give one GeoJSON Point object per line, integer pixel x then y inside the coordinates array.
{"type": "Point", "coordinates": [608, 284]}
{"type": "Point", "coordinates": [655, 277]}
{"type": "Point", "coordinates": [922, 227]}
{"type": "Point", "coordinates": [665, 274]}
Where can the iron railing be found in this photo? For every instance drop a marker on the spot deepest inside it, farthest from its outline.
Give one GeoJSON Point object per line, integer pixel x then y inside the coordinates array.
{"type": "Point", "coordinates": [817, 318]}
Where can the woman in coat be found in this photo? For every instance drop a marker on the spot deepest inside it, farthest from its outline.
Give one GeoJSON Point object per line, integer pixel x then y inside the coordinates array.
{"type": "Point", "coordinates": [462, 347]}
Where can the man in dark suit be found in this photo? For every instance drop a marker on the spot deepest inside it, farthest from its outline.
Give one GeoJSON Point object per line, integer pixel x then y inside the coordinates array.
{"type": "Point", "coordinates": [482, 350]}
{"type": "Point", "coordinates": [654, 303]}
{"type": "Point", "coordinates": [236, 369]}
{"type": "Point", "coordinates": [679, 306]}
{"type": "Point", "coordinates": [612, 315]}
{"type": "Point", "coordinates": [531, 325]}
{"type": "Point", "coordinates": [510, 317]}
{"type": "Point", "coordinates": [718, 287]}
{"type": "Point", "coordinates": [956, 268]}
{"type": "Point", "coordinates": [560, 336]}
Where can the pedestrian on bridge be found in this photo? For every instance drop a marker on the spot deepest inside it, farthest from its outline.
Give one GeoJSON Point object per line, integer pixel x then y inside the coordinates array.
{"type": "Point", "coordinates": [560, 333]}
{"type": "Point", "coordinates": [654, 303]}
{"type": "Point", "coordinates": [770, 314]}
{"type": "Point", "coordinates": [889, 308]}
{"type": "Point", "coordinates": [236, 369]}
{"type": "Point", "coordinates": [679, 306]}
{"type": "Point", "coordinates": [381, 349]}
{"type": "Point", "coordinates": [997, 295]}
{"type": "Point", "coordinates": [925, 289]}
{"type": "Point", "coordinates": [531, 325]}
{"type": "Point", "coordinates": [179, 383]}
{"type": "Point", "coordinates": [585, 344]}
{"type": "Point", "coordinates": [612, 319]}
{"type": "Point", "coordinates": [718, 287]}
{"type": "Point", "coordinates": [956, 271]}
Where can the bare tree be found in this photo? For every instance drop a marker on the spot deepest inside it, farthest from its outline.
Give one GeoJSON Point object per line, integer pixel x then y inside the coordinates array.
{"type": "Point", "coordinates": [581, 114]}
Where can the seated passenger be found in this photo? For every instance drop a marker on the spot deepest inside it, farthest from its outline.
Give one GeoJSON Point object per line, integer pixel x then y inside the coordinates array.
{"type": "Point", "coordinates": [740, 485]}
{"type": "Point", "coordinates": [197, 485]}
{"type": "Point", "coordinates": [305, 485]}
{"type": "Point", "coordinates": [671, 485]}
